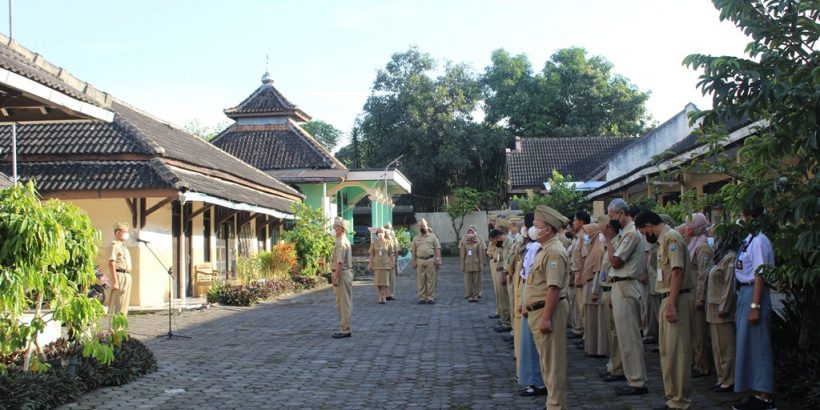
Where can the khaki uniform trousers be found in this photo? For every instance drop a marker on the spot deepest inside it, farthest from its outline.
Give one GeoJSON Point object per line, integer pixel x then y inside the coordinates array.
{"type": "Point", "coordinates": [552, 351]}
{"type": "Point", "coordinates": [595, 340]}
{"type": "Point", "coordinates": [120, 299]}
{"type": "Point", "coordinates": [344, 300]}
{"type": "Point", "coordinates": [626, 308]}
{"type": "Point", "coordinates": [391, 288]}
{"type": "Point", "coordinates": [723, 350]}
{"type": "Point", "coordinates": [579, 309]}
{"type": "Point", "coordinates": [472, 284]}
{"type": "Point", "coordinates": [503, 298]}
{"type": "Point", "coordinates": [427, 278]}
{"type": "Point", "coordinates": [615, 365]}
{"type": "Point", "coordinates": [700, 341]}
{"type": "Point", "coordinates": [494, 278]}
{"type": "Point", "coordinates": [511, 301]}
{"type": "Point", "coordinates": [654, 314]}
{"type": "Point", "coordinates": [675, 347]}
{"type": "Point", "coordinates": [573, 316]}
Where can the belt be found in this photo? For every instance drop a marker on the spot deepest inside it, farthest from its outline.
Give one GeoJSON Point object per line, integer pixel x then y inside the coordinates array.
{"type": "Point", "coordinates": [606, 288]}
{"type": "Point", "coordinates": [617, 279]}
{"type": "Point", "coordinates": [540, 305]}
{"type": "Point", "coordinates": [742, 284]}
{"type": "Point", "coordinates": [425, 258]}
{"type": "Point", "coordinates": [665, 295]}
{"type": "Point", "coordinates": [123, 271]}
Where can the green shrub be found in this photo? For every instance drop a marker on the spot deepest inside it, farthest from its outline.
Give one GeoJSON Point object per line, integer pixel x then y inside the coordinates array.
{"type": "Point", "coordinates": [132, 360]}
{"type": "Point", "coordinates": [309, 282]}
{"type": "Point", "coordinates": [214, 292]}
{"type": "Point", "coordinates": [310, 238]}
{"type": "Point", "coordinates": [27, 390]}
{"type": "Point", "coordinates": [797, 371]}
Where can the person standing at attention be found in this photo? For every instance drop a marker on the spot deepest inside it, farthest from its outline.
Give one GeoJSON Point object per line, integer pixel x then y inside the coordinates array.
{"type": "Point", "coordinates": [426, 260]}
{"type": "Point", "coordinates": [342, 263]}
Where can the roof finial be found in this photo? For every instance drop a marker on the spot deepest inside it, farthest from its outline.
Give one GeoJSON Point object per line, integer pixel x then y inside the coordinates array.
{"type": "Point", "coordinates": [266, 78]}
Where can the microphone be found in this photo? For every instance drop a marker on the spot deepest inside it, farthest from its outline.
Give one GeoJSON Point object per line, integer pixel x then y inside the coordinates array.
{"type": "Point", "coordinates": [142, 240]}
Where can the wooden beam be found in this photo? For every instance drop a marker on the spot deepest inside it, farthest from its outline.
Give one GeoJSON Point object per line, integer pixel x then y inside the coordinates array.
{"type": "Point", "coordinates": [142, 212]}
{"type": "Point", "coordinates": [132, 206]}
{"type": "Point", "coordinates": [110, 194]}
{"type": "Point", "coordinates": [223, 218]}
{"type": "Point", "coordinates": [244, 221]}
{"type": "Point", "coordinates": [196, 213]}
{"type": "Point", "coordinates": [159, 205]}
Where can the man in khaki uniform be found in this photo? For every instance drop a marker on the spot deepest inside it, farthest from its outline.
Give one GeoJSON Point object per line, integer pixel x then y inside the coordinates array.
{"type": "Point", "coordinates": [492, 255]}
{"type": "Point", "coordinates": [119, 268]}
{"type": "Point", "coordinates": [614, 367]}
{"type": "Point", "coordinates": [391, 289]}
{"type": "Point", "coordinates": [426, 260]}
{"type": "Point", "coordinates": [511, 245]}
{"type": "Point", "coordinates": [342, 263]}
{"type": "Point", "coordinates": [627, 262]}
{"type": "Point", "coordinates": [700, 254]}
{"type": "Point", "coordinates": [580, 242]}
{"type": "Point", "coordinates": [546, 305]}
{"type": "Point", "coordinates": [675, 281]}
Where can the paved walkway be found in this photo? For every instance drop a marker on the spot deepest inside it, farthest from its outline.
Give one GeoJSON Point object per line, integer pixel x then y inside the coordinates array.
{"type": "Point", "coordinates": [402, 355]}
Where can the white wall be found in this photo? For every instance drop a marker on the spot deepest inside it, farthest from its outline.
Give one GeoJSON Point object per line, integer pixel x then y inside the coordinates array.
{"type": "Point", "coordinates": [442, 226]}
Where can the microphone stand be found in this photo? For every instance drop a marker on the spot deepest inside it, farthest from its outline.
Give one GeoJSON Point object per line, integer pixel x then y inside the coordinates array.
{"type": "Point", "coordinates": [170, 272]}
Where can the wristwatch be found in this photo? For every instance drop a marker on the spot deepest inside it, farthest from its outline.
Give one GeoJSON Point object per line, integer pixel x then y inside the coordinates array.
{"type": "Point", "coordinates": [755, 305]}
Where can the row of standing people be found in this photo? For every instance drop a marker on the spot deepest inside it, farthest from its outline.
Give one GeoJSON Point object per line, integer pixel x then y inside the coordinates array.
{"type": "Point", "coordinates": [690, 297]}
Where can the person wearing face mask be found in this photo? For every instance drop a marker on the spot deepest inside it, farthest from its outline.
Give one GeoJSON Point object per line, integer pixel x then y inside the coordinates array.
{"type": "Point", "coordinates": [653, 314]}
{"type": "Point", "coordinates": [603, 291]}
{"type": "Point", "coordinates": [391, 235]}
{"type": "Point", "coordinates": [701, 256]}
{"type": "Point", "coordinates": [492, 255]}
{"type": "Point", "coordinates": [381, 261]}
{"type": "Point", "coordinates": [498, 238]}
{"type": "Point", "coordinates": [720, 309]}
{"type": "Point", "coordinates": [119, 267]}
{"type": "Point", "coordinates": [426, 260]}
{"type": "Point", "coordinates": [627, 260]}
{"type": "Point", "coordinates": [528, 362]}
{"type": "Point", "coordinates": [471, 257]}
{"type": "Point", "coordinates": [511, 247]}
{"type": "Point", "coordinates": [594, 339]}
{"type": "Point", "coordinates": [546, 305]}
{"type": "Point", "coordinates": [676, 281]}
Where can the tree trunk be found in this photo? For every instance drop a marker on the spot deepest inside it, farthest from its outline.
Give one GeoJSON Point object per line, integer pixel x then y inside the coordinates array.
{"type": "Point", "coordinates": [810, 321]}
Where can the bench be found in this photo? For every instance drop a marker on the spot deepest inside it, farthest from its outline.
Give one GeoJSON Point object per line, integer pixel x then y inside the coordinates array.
{"type": "Point", "coordinates": [204, 278]}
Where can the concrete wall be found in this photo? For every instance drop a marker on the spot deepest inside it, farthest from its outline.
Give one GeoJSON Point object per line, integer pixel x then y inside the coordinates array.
{"type": "Point", "coordinates": [654, 143]}
{"type": "Point", "coordinates": [442, 226]}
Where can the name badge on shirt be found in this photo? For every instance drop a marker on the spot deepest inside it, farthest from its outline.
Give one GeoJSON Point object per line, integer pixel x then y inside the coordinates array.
{"type": "Point", "coordinates": [381, 253]}
{"type": "Point", "coordinates": [469, 252]}
{"type": "Point", "coordinates": [603, 276]}
{"type": "Point", "coordinates": [660, 271]}
{"type": "Point", "coordinates": [738, 264]}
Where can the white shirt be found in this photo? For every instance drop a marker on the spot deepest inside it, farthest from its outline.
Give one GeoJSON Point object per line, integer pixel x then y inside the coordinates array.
{"type": "Point", "coordinates": [529, 258]}
{"type": "Point", "coordinates": [754, 251]}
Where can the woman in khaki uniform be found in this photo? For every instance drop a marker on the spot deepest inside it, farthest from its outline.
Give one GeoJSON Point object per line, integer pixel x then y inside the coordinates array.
{"type": "Point", "coordinates": [720, 311]}
{"type": "Point", "coordinates": [381, 262]}
{"type": "Point", "coordinates": [701, 256]}
{"type": "Point", "coordinates": [594, 340]}
{"type": "Point", "coordinates": [471, 257]}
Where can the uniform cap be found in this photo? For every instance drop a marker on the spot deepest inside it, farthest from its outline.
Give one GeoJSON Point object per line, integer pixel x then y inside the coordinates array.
{"type": "Point", "coordinates": [341, 223]}
{"type": "Point", "coordinates": [423, 223]}
{"type": "Point", "coordinates": [120, 226]}
{"type": "Point", "coordinates": [388, 226]}
{"type": "Point", "coordinates": [550, 216]}
{"type": "Point", "coordinates": [666, 219]}
{"type": "Point", "coordinates": [602, 220]}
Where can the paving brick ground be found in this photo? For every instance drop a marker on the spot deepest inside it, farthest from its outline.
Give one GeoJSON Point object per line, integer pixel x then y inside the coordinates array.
{"type": "Point", "coordinates": [402, 355]}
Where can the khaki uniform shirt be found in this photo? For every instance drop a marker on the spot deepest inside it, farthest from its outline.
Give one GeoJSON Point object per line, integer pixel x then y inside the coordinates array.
{"type": "Point", "coordinates": [550, 268]}
{"type": "Point", "coordinates": [592, 261]}
{"type": "Point", "coordinates": [381, 254]}
{"type": "Point", "coordinates": [652, 267]}
{"type": "Point", "coordinates": [343, 254]}
{"type": "Point", "coordinates": [701, 263]}
{"type": "Point", "coordinates": [672, 254]}
{"type": "Point", "coordinates": [424, 246]}
{"type": "Point", "coordinates": [471, 256]}
{"type": "Point", "coordinates": [120, 256]}
{"type": "Point", "coordinates": [562, 237]}
{"type": "Point", "coordinates": [630, 251]}
{"type": "Point", "coordinates": [721, 290]}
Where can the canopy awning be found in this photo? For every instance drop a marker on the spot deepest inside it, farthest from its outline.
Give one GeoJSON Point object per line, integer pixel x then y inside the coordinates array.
{"type": "Point", "coordinates": [200, 197]}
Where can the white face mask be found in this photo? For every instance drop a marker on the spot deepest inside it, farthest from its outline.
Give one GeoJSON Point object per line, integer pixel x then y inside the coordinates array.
{"type": "Point", "coordinates": [601, 237]}
{"type": "Point", "coordinates": [533, 233]}
{"type": "Point", "coordinates": [587, 239]}
{"type": "Point", "coordinates": [710, 241]}
{"type": "Point", "coordinates": [126, 236]}
{"type": "Point", "coordinates": [523, 230]}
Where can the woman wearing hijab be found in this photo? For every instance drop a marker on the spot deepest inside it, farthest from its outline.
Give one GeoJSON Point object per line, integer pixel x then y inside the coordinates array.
{"type": "Point", "coordinates": [595, 344]}
{"type": "Point", "coordinates": [720, 309]}
{"type": "Point", "coordinates": [701, 256]}
{"type": "Point", "coordinates": [381, 261]}
{"type": "Point", "coordinates": [471, 257]}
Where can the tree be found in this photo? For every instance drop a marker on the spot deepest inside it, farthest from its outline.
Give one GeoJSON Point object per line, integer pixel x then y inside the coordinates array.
{"type": "Point", "coordinates": [777, 167]}
{"type": "Point", "coordinates": [561, 196]}
{"type": "Point", "coordinates": [466, 201]}
{"type": "Point", "coordinates": [206, 132]}
{"type": "Point", "coordinates": [47, 252]}
{"type": "Point", "coordinates": [572, 96]}
{"type": "Point", "coordinates": [326, 134]}
{"type": "Point", "coordinates": [309, 236]}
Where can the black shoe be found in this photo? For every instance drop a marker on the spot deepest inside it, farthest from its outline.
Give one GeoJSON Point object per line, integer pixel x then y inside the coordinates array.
{"type": "Point", "coordinates": [574, 336]}
{"type": "Point", "coordinates": [382, 302]}
{"type": "Point", "coordinates": [431, 302]}
{"type": "Point", "coordinates": [696, 373]}
{"type": "Point", "coordinates": [391, 298]}
{"type": "Point", "coordinates": [753, 403]}
{"type": "Point", "coordinates": [631, 391]}
{"type": "Point", "coordinates": [493, 317]}
{"type": "Point", "coordinates": [533, 391]}
{"type": "Point", "coordinates": [604, 374]}
{"type": "Point", "coordinates": [339, 335]}
{"type": "Point", "coordinates": [502, 328]}
{"type": "Point", "coordinates": [421, 302]}
{"type": "Point", "coordinates": [579, 346]}
{"type": "Point", "coordinates": [473, 300]}
{"type": "Point", "coordinates": [508, 338]}
{"type": "Point", "coordinates": [649, 340]}
{"type": "Point", "coordinates": [613, 378]}
{"type": "Point", "coordinates": [721, 389]}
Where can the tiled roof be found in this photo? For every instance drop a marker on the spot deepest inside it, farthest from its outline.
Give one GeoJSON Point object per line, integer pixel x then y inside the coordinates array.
{"type": "Point", "coordinates": [74, 138]}
{"type": "Point", "coordinates": [266, 101]}
{"type": "Point", "coordinates": [276, 146]}
{"type": "Point", "coordinates": [578, 156]}
{"type": "Point", "coordinates": [23, 62]}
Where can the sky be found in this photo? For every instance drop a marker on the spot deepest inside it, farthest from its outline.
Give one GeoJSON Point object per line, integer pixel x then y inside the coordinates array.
{"type": "Point", "coordinates": [186, 60]}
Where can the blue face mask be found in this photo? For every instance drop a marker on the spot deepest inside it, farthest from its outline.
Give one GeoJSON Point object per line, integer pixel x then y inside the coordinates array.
{"type": "Point", "coordinates": [586, 239]}
{"type": "Point", "coordinates": [710, 241]}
